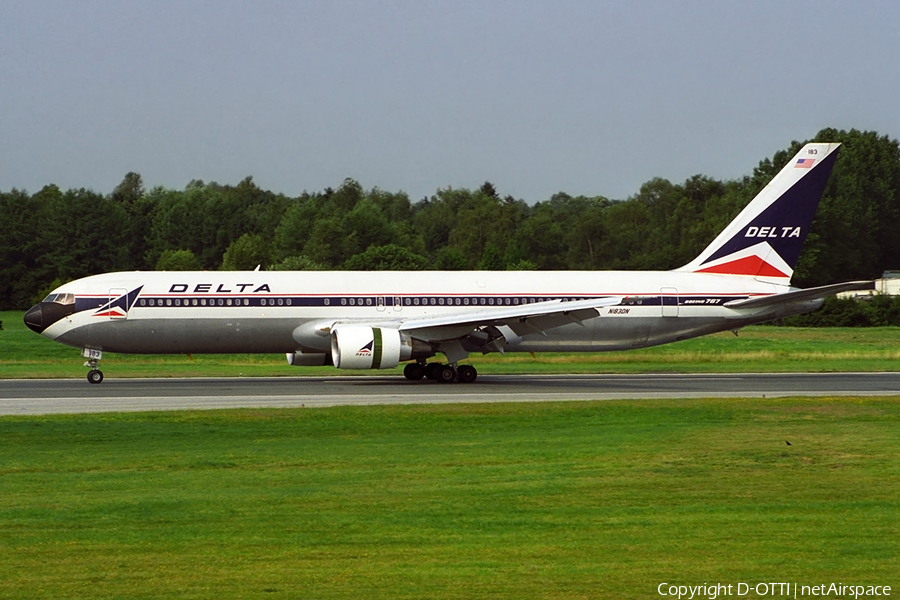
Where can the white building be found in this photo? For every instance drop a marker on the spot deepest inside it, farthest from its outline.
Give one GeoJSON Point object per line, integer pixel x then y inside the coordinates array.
{"type": "Point", "coordinates": [888, 285]}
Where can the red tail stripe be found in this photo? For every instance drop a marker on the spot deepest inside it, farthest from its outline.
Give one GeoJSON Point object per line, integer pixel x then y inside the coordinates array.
{"type": "Point", "coordinates": [749, 265]}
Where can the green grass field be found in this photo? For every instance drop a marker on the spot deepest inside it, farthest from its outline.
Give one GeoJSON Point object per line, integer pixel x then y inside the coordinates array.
{"type": "Point", "coordinates": [557, 500]}
{"type": "Point", "coordinates": [24, 354]}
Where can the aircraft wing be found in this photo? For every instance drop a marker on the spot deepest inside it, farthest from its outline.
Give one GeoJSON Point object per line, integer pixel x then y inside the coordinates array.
{"type": "Point", "coordinates": [799, 295]}
{"type": "Point", "coordinates": [526, 318]}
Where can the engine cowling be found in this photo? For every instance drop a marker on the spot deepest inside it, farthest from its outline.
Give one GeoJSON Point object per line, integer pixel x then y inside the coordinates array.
{"type": "Point", "coordinates": [306, 359]}
{"type": "Point", "coordinates": [361, 347]}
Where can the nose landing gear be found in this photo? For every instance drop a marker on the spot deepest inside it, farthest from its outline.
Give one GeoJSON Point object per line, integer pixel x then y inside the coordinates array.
{"type": "Point", "coordinates": [95, 375]}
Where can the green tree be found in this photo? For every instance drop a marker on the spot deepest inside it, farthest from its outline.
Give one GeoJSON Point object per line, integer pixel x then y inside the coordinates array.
{"type": "Point", "coordinates": [491, 259]}
{"type": "Point", "coordinates": [390, 257]}
{"type": "Point", "coordinates": [131, 196]}
{"type": "Point", "coordinates": [130, 190]}
{"type": "Point", "coordinates": [328, 243]}
{"type": "Point", "coordinates": [245, 254]}
{"type": "Point", "coordinates": [348, 195]}
{"type": "Point", "coordinates": [541, 240]}
{"type": "Point", "coordinates": [299, 263]}
{"type": "Point", "coordinates": [434, 218]}
{"type": "Point", "coordinates": [20, 252]}
{"type": "Point", "coordinates": [481, 220]}
{"type": "Point", "coordinates": [182, 220]}
{"type": "Point", "coordinates": [854, 233]}
{"type": "Point", "coordinates": [365, 226]}
{"type": "Point", "coordinates": [451, 259]}
{"type": "Point", "coordinates": [584, 231]}
{"type": "Point", "coordinates": [177, 260]}
{"type": "Point", "coordinates": [295, 227]}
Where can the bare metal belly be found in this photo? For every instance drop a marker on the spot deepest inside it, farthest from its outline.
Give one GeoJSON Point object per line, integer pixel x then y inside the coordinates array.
{"type": "Point", "coordinates": [273, 335]}
{"type": "Point", "coordinates": [194, 336]}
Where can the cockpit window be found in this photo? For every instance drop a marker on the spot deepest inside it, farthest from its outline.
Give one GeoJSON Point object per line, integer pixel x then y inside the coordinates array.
{"type": "Point", "coordinates": [61, 298]}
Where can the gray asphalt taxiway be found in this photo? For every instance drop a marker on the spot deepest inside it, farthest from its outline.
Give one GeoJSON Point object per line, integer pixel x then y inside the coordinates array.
{"type": "Point", "coordinates": [49, 396]}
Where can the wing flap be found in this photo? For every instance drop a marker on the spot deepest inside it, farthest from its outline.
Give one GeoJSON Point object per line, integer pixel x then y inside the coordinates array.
{"type": "Point", "coordinates": [526, 318]}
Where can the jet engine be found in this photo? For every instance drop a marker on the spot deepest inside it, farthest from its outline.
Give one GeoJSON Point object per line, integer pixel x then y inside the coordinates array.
{"type": "Point", "coordinates": [360, 347]}
{"type": "Point", "coordinates": [306, 359]}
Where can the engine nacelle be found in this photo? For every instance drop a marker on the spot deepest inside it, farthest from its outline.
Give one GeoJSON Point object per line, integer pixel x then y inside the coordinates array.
{"type": "Point", "coordinates": [306, 359]}
{"type": "Point", "coordinates": [360, 347]}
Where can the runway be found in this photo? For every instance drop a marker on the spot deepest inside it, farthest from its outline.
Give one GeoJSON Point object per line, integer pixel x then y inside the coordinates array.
{"type": "Point", "coordinates": [60, 396]}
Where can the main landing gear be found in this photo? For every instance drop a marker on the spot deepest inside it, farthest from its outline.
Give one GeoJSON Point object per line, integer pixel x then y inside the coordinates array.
{"type": "Point", "coordinates": [440, 372]}
{"type": "Point", "coordinates": [95, 375]}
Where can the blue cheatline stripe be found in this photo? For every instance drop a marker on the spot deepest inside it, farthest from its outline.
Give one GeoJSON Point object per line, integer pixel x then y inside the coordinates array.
{"type": "Point", "coordinates": [413, 301]}
{"type": "Point", "coordinates": [376, 350]}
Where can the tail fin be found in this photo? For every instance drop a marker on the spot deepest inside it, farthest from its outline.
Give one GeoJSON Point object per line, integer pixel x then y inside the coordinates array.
{"type": "Point", "coordinates": [765, 239]}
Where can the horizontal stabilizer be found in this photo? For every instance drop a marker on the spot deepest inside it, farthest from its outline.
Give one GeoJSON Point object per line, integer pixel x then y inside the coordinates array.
{"type": "Point", "coordinates": [800, 295]}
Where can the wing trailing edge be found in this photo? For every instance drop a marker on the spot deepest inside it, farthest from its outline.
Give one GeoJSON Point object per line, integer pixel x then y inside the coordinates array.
{"type": "Point", "coordinates": [526, 318]}
{"type": "Point", "coordinates": [800, 295]}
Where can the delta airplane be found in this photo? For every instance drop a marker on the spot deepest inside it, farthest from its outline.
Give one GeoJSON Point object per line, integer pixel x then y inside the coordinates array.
{"type": "Point", "coordinates": [376, 320]}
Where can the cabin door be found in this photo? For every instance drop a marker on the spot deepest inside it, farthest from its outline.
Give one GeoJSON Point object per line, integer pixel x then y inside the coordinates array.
{"type": "Point", "coordinates": [668, 297]}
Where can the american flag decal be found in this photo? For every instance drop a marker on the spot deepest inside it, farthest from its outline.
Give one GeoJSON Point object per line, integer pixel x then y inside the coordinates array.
{"type": "Point", "coordinates": [804, 163]}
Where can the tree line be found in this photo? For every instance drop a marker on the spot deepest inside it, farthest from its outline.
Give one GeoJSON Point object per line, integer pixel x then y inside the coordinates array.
{"type": "Point", "coordinates": [53, 236]}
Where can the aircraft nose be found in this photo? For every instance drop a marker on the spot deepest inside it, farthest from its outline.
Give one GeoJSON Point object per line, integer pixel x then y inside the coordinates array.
{"type": "Point", "coordinates": [34, 318]}
{"type": "Point", "coordinates": [43, 315]}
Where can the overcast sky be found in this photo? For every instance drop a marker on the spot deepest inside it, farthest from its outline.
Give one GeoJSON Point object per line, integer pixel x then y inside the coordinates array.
{"type": "Point", "coordinates": [585, 97]}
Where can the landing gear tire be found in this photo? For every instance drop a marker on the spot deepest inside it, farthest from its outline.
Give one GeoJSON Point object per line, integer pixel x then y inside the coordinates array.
{"type": "Point", "coordinates": [414, 371]}
{"type": "Point", "coordinates": [431, 370]}
{"type": "Point", "coordinates": [466, 374]}
{"type": "Point", "coordinates": [446, 374]}
{"type": "Point", "coordinates": [95, 376]}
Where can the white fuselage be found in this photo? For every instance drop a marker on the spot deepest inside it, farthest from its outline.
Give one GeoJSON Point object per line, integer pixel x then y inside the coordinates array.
{"type": "Point", "coordinates": [264, 312]}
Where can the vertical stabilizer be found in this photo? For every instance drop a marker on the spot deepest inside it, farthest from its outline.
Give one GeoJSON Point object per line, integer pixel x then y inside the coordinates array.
{"type": "Point", "coordinates": [765, 239]}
